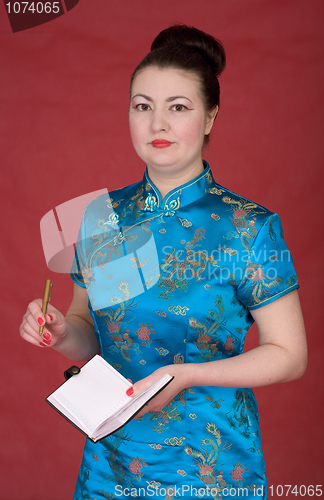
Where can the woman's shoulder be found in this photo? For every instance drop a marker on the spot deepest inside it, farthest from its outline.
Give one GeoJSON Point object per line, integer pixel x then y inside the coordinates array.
{"type": "Point", "coordinates": [239, 205]}
{"type": "Point", "coordinates": [228, 195]}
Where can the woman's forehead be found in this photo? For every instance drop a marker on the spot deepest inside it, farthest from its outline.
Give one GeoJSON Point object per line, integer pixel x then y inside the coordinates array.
{"type": "Point", "coordinates": [168, 81]}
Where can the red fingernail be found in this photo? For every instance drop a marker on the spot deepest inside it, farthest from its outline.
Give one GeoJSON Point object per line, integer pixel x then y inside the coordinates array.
{"type": "Point", "coordinates": [43, 345]}
{"type": "Point", "coordinates": [46, 336]}
{"type": "Point", "coordinates": [50, 317]}
{"type": "Point", "coordinates": [47, 342]}
{"type": "Point", "coordinates": [40, 321]}
{"type": "Point", "coordinates": [129, 391]}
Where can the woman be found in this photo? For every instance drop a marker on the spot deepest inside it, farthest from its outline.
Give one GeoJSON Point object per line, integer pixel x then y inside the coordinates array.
{"type": "Point", "coordinates": [223, 265]}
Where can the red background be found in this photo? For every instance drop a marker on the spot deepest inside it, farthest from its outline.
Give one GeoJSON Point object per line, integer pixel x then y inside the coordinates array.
{"type": "Point", "coordinates": [64, 133]}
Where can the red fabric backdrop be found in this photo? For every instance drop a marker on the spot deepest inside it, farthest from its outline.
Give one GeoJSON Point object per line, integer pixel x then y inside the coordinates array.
{"type": "Point", "coordinates": [64, 133]}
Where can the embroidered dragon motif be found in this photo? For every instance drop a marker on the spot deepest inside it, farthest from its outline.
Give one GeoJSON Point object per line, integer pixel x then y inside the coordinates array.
{"type": "Point", "coordinates": [175, 266]}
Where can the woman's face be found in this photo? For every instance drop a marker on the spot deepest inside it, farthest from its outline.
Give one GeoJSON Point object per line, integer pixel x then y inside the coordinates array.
{"type": "Point", "coordinates": [168, 121]}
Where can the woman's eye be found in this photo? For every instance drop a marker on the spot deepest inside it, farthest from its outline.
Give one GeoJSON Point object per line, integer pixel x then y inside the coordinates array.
{"type": "Point", "coordinates": [142, 107]}
{"type": "Point", "coordinates": [179, 107]}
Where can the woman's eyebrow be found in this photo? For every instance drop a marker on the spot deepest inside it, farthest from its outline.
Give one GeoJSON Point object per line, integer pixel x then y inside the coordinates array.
{"type": "Point", "coordinates": [169, 99]}
{"type": "Point", "coordinates": [173, 98]}
{"type": "Point", "coordinates": [143, 95]}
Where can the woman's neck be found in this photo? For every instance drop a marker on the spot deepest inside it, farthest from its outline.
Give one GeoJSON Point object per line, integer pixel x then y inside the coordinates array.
{"type": "Point", "coordinates": [168, 181]}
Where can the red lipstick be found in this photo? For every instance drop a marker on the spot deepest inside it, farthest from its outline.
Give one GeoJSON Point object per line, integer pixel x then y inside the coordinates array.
{"type": "Point", "coordinates": [161, 143]}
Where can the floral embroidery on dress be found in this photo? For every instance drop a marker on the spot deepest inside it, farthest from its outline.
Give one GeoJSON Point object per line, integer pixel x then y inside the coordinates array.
{"type": "Point", "coordinates": [228, 346]}
{"type": "Point", "coordinates": [207, 458]}
{"type": "Point", "coordinates": [112, 318]}
{"type": "Point", "coordinates": [150, 203]}
{"type": "Point", "coordinates": [259, 282]}
{"type": "Point", "coordinates": [292, 281]}
{"type": "Point", "coordinates": [242, 211]}
{"type": "Point", "coordinates": [173, 269]}
{"type": "Point", "coordinates": [172, 208]}
{"type": "Point", "coordinates": [243, 411]}
{"type": "Point", "coordinates": [169, 210]}
{"type": "Point", "coordinates": [144, 333]}
{"type": "Point", "coordinates": [135, 467]}
{"type": "Point", "coordinates": [209, 177]}
{"type": "Point", "coordinates": [112, 221]}
{"type": "Point", "coordinates": [169, 413]}
{"type": "Point", "coordinates": [178, 358]}
{"type": "Point", "coordinates": [237, 473]}
{"type": "Point", "coordinates": [206, 332]}
{"type": "Point", "coordinates": [114, 456]}
{"type": "Point", "coordinates": [270, 222]}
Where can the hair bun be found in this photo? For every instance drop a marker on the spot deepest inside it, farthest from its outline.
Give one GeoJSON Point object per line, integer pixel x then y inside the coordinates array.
{"type": "Point", "coordinates": [208, 47]}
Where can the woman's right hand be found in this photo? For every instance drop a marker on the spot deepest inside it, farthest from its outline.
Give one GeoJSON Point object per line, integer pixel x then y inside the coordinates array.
{"type": "Point", "coordinates": [55, 326]}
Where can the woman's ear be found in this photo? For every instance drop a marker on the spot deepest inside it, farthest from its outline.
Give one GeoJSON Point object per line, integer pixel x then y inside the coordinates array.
{"type": "Point", "coordinates": [210, 120]}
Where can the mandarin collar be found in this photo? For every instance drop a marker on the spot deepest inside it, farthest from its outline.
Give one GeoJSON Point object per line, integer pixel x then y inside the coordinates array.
{"type": "Point", "coordinates": [178, 197]}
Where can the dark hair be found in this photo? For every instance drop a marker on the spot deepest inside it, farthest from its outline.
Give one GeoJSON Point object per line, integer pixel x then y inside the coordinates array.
{"type": "Point", "coordinates": [190, 49]}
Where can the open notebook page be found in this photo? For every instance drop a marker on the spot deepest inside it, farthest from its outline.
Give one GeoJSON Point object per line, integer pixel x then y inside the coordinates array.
{"type": "Point", "coordinates": [92, 395]}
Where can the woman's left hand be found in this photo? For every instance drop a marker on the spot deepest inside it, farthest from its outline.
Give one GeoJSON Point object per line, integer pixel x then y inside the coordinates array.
{"type": "Point", "coordinates": [180, 372]}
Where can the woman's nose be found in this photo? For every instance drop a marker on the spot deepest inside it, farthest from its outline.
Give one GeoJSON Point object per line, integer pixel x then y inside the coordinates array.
{"type": "Point", "coordinates": [159, 121]}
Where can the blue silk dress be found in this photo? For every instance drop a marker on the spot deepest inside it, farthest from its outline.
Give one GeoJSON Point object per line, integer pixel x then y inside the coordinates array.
{"type": "Point", "coordinates": [174, 281]}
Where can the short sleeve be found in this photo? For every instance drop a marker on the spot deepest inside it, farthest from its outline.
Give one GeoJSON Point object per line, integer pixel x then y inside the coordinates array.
{"type": "Point", "coordinates": [269, 272]}
{"type": "Point", "coordinates": [79, 266]}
